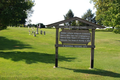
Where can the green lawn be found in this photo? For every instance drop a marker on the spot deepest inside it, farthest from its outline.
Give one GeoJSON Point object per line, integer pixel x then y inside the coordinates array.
{"type": "Point", "coordinates": [25, 57]}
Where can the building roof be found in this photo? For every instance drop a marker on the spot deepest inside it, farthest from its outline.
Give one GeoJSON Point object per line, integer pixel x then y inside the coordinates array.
{"type": "Point", "coordinates": [75, 18]}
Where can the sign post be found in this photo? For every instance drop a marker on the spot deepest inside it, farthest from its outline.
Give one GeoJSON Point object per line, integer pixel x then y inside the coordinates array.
{"type": "Point", "coordinates": [92, 48]}
{"type": "Point", "coordinates": [56, 48]}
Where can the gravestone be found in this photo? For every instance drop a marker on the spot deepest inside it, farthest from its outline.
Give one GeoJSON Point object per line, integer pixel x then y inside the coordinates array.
{"type": "Point", "coordinates": [44, 33]}
{"type": "Point", "coordinates": [29, 32]}
{"type": "Point", "coordinates": [40, 26]}
{"type": "Point", "coordinates": [37, 30]}
{"type": "Point", "coordinates": [41, 32]}
{"type": "Point", "coordinates": [34, 34]}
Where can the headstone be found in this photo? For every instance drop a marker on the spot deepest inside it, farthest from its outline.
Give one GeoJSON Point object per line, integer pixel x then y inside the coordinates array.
{"type": "Point", "coordinates": [39, 26]}
{"type": "Point", "coordinates": [37, 30]}
{"type": "Point", "coordinates": [44, 32]}
{"type": "Point", "coordinates": [34, 34]}
{"type": "Point", "coordinates": [41, 32]}
{"type": "Point", "coordinates": [29, 32]}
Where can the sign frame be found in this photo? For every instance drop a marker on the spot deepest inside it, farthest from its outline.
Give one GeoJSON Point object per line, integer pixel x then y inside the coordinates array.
{"type": "Point", "coordinates": [92, 46]}
{"type": "Point", "coordinates": [92, 26]}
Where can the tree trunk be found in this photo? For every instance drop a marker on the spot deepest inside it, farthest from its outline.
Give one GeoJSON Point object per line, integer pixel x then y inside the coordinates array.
{"type": "Point", "coordinates": [113, 27]}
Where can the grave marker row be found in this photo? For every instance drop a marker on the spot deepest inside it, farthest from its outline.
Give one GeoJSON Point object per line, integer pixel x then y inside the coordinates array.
{"type": "Point", "coordinates": [33, 32]}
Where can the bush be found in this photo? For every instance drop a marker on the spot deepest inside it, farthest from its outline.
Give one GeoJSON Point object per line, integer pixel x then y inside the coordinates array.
{"type": "Point", "coordinates": [109, 29]}
{"type": "Point", "coordinates": [117, 29]}
{"type": "Point", "coordinates": [2, 26]}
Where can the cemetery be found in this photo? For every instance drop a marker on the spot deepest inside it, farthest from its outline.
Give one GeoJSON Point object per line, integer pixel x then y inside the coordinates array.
{"type": "Point", "coordinates": [38, 41]}
{"type": "Point", "coordinates": [25, 57]}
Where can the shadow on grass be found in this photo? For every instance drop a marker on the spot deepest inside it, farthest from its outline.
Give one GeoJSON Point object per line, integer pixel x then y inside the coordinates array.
{"type": "Point", "coordinates": [7, 44]}
{"type": "Point", "coordinates": [33, 57]}
{"type": "Point", "coordinates": [96, 72]}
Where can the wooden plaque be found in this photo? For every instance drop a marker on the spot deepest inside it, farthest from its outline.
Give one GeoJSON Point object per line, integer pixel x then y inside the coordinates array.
{"type": "Point", "coordinates": [75, 36]}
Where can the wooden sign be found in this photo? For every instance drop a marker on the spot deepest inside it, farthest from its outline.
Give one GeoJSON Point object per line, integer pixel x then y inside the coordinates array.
{"type": "Point", "coordinates": [80, 37]}
{"type": "Point", "coordinates": [75, 36]}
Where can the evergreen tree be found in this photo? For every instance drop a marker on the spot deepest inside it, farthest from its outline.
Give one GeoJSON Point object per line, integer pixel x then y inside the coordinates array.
{"type": "Point", "coordinates": [89, 16]}
{"type": "Point", "coordinates": [69, 15]}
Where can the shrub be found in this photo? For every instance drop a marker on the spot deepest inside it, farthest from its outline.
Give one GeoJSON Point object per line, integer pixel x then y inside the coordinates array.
{"type": "Point", "coordinates": [2, 26]}
{"type": "Point", "coordinates": [109, 29]}
{"type": "Point", "coordinates": [117, 29]}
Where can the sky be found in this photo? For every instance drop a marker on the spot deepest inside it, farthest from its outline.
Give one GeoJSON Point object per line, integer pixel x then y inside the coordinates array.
{"type": "Point", "coordinates": [50, 11]}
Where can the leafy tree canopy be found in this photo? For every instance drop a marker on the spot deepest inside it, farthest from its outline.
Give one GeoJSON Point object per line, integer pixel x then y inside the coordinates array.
{"type": "Point", "coordinates": [13, 12]}
{"type": "Point", "coordinates": [108, 12]}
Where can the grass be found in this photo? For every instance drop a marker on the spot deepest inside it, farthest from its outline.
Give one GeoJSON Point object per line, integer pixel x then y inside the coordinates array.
{"type": "Point", "coordinates": [25, 57]}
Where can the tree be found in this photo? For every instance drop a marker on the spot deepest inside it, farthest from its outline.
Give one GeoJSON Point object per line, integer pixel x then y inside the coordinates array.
{"type": "Point", "coordinates": [69, 15]}
{"type": "Point", "coordinates": [29, 14]}
{"type": "Point", "coordinates": [13, 12]}
{"type": "Point", "coordinates": [22, 21]}
{"type": "Point", "coordinates": [108, 12]}
{"type": "Point", "coordinates": [89, 16]}
{"type": "Point", "coordinates": [41, 25]}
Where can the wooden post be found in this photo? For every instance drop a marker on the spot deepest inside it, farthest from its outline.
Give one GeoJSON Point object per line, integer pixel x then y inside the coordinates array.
{"type": "Point", "coordinates": [56, 48]}
{"type": "Point", "coordinates": [92, 48]}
